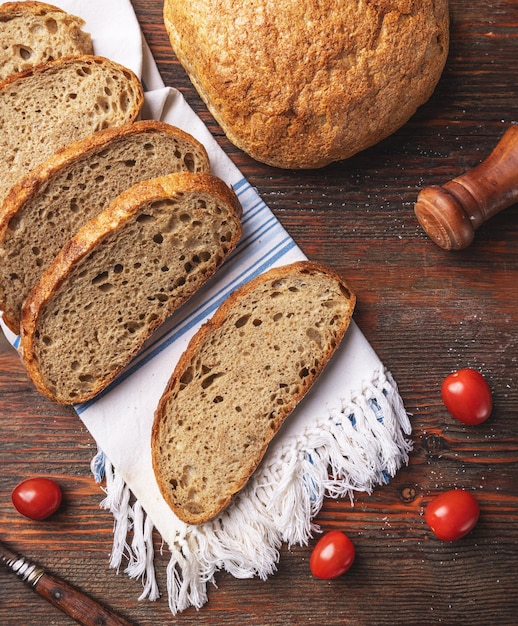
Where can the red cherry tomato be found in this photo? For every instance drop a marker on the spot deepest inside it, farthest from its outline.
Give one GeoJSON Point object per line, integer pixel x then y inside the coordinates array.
{"type": "Point", "coordinates": [467, 396]}
{"type": "Point", "coordinates": [332, 556]}
{"type": "Point", "coordinates": [37, 498]}
{"type": "Point", "coordinates": [452, 514]}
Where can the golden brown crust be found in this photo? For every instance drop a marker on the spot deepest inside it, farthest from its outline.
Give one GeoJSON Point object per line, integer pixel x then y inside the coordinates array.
{"type": "Point", "coordinates": [193, 348]}
{"type": "Point", "coordinates": [299, 85]}
{"type": "Point", "coordinates": [56, 64]}
{"type": "Point", "coordinates": [8, 10]}
{"type": "Point", "coordinates": [87, 238]}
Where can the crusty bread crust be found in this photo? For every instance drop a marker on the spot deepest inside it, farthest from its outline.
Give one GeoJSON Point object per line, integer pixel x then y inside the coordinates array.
{"type": "Point", "coordinates": [36, 32]}
{"type": "Point", "coordinates": [265, 345]}
{"type": "Point", "coordinates": [302, 84]}
{"type": "Point", "coordinates": [51, 214]}
{"type": "Point", "coordinates": [112, 342]}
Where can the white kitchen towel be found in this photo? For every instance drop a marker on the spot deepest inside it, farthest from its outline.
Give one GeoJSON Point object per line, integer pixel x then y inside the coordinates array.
{"type": "Point", "coordinates": [351, 433]}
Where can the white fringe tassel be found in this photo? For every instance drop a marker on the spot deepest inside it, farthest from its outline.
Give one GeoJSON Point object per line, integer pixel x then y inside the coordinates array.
{"type": "Point", "coordinates": [360, 445]}
{"type": "Point", "coordinates": [127, 517]}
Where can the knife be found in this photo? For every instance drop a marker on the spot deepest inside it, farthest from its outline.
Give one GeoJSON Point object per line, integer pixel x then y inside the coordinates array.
{"type": "Point", "coordinates": [68, 599]}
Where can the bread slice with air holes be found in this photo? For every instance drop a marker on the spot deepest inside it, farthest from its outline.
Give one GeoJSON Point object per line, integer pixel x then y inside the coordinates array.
{"type": "Point", "coordinates": [52, 105]}
{"type": "Point", "coordinates": [55, 199]}
{"type": "Point", "coordinates": [35, 32]}
{"type": "Point", "coordinates": [120, 276]}
{"type": "Point", "coordinates": [240, 377]}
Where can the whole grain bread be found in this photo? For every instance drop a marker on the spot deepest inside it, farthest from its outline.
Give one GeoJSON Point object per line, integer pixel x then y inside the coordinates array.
{"type": "Point", "coordinates": [54, 104]}
{"type": "Point", "coordinates": [35, 32]}
{"type": "Point", "coordinates": [302, 84]}
{"type": "Point", "coordinates": [120, 276]}
{"type": "Point", "coordinates": [240, 377]}
{"type": "Point", "coordinates": [45, 208]}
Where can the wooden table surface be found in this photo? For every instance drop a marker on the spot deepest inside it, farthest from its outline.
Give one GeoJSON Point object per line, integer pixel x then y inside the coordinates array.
{"type": "Point", "coordinates": [425, 311]}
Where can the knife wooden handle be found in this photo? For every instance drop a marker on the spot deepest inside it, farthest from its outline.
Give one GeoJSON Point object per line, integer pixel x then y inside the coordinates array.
{"type": "Point", "coordinates": [76, 604]}
{"type": "Point", "coordinates": [451, 213]}
{"type": "Point", "coordinates": [71, 601]}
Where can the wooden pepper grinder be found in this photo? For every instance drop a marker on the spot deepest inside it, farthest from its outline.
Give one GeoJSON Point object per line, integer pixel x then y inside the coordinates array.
{"type": "Point", "coordinates": [451, 213]}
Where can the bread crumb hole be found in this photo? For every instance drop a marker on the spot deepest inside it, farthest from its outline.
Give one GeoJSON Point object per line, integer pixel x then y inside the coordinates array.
{"type": "Point", "coordinates": [187, 376]}
{"type": "Point", "coordinates": [189, 162]}
{"type": "Point", "coordinates": [315, 336]}
{"type": "Point", "coordinates": [208, 381]}
{"type": "Point", "coordinates": [51, 25]}
{"type": "Point", "coordinates": [132, 327]}
{"type": "Point", "coordinates": [14, 223]}
{"type": "Point", "coordinates": [242, 321]}
{"type": "Point", "coordinates": [100, 278]}
{"type": "Point", "coordinates": [145, 218]}
{"type": "Point", "coordinates": [25, 53]}
{"type": "Point", "coordinates": [86, 378]}
{"type": "Point", "coordinates": [187, 476]}
{"type": "Point", "coordinates": [304, 373]}
{"type": "Point", "coordinates": [194, 508]}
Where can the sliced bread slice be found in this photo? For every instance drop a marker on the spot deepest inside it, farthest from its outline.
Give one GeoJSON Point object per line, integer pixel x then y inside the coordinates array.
{"type": "Point", "coordinates": [52, 105]}
{"type": "Point", "coordinates": [120, 276]}
{"type": "Point", "coordinates": [240, 377]}
{"type": "Point", "coordinates": [55, 199]}
{"type": "Point", "coordinates": [35, 32]}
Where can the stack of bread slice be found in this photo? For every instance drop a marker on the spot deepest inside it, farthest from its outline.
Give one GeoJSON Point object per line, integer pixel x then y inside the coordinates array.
{"type": "Point", "coordinates": [107, 223]}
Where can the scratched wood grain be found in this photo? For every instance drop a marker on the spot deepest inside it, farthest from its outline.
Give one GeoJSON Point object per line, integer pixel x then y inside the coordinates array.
{"type": "Point", "coordinates": [425, 311]}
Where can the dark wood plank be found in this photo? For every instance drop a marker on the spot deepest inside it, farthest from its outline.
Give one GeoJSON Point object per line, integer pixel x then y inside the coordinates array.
{"type": "Point", "coordinates": [425, 311]}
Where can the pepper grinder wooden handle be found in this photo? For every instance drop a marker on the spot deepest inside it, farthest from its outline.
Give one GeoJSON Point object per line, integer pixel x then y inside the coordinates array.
{"type": "Point", "coordinates": [451, 213]}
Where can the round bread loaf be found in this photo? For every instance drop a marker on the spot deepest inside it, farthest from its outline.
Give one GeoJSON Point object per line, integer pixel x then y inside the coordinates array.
{"type": "Point", "coordinates": [302, 84]}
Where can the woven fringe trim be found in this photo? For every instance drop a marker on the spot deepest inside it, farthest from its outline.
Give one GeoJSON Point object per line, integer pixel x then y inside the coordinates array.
{"type": "Point", "coordinates": [128, 517]}
{"type": "Point", "coordinates": [358, 446]}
